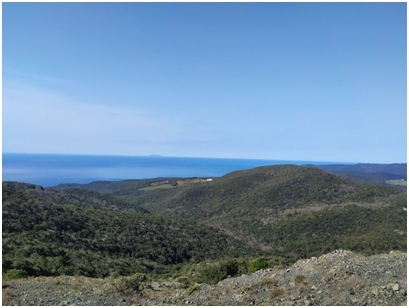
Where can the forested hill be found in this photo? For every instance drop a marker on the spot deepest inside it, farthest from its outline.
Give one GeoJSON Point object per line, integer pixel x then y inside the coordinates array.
{"type": "Point", "coordinates": [271, 188]}
{"type": "Point", "coordinates": [295, 211]}
{"type": "Point", "coordinates": [46, 238]}
{"type": "Point", "coordinates": [286, 211]}
{"type": "Point", "coordinates": [74, 196]}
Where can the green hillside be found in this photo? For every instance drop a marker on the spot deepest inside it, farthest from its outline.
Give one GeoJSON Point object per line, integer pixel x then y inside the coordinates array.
{"type": "Point", "coordinates": [76, 196]}
{"type": "Point", "coordinates": [117, 187]}
{"type": "Point", "coordinates": [286, 212]}
{"type": "Point", "coordinates": [274, 188]}
{"type": "Point", "coordinates": [44, 238]}
{"type": "Point", "coordinates": [266, 206]}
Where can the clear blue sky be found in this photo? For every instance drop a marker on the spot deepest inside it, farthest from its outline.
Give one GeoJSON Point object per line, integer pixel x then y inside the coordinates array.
{"type": "Point", "coordinates": [294, 81]}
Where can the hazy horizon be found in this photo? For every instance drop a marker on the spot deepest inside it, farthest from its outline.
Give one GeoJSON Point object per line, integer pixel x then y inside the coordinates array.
{"type": "Point", "coordinates": [203, 157]}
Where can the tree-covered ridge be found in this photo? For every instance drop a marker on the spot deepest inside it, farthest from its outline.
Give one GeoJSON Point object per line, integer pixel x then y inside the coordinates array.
{"type": "Point", "coordinates": [76, 196]}
{"type": "Point", "coordinates": [133, 191]}
{"type": "Point", "coordinates": [42, 238]}
{"type": "Point", "coordinates": [296, 211]}
{"type": "Point", "coordinates": [113, 187]}
{"type": "Point", "coordinates": [275, 188]}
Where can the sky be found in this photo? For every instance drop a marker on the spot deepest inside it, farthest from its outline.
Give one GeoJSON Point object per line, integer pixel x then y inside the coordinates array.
{"type": "Point", "coordinates": [291, 81]}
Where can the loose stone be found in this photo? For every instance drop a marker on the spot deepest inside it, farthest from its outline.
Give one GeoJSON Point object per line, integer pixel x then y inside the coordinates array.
{"type": "Point", "coordinates": [375, 291]}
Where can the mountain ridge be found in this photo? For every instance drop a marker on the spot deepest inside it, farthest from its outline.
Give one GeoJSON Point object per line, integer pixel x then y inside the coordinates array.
{"type": "Point", "coordinates": [376, 174]}
{"type": "Point", "coordinates": [265, 205]}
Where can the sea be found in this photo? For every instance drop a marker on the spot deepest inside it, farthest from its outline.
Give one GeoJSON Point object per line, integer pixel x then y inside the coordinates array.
{"type": "Point", "coordinates": [50, 170]}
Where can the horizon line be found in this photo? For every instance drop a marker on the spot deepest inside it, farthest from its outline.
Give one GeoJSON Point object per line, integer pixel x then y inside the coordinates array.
{"type": "Point", "coordinates": [230, 158]}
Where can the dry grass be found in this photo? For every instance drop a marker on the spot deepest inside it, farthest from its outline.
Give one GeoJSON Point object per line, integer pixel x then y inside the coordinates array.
{"type": "Point", "coordinates": [263, 282]}
{"type": "Point", "coordinates": [227, 290]}
{"type": "Point", "coordinates": [277, 292]}
{"type": "Point", "coordinates": [299, 280]}
{"type": "Point", "coordinates": [150, 294]}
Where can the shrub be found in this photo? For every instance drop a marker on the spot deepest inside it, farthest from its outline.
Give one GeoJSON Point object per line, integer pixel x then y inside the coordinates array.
{"type": "Point", "coordinates": [278, 261]}
{"type": "Point", "coordinates": [210, 274]}
{"type": "Point", "coordinates": [15, 274]}
{"type": "Point", "coordinates": [299, 279]}
{"type": "Point", "coordinates": [230, 267]}
{"type": "Point", "coordinates": [213, 273]}
{"type": "Point", "coordinates": [192, 289]}
{"type": "Point", "coordinates": [129, 285]}
{"type": "Point", "coordinates": [258, 264]}
{"type": "Point", "coordinates": [184, 281]}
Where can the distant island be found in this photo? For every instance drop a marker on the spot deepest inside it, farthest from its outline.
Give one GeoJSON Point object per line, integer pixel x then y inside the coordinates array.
{"type": "Point", "coordinates": [155, 155]}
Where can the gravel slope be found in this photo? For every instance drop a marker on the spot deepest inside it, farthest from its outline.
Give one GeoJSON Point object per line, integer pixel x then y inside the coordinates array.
{"type": "Point", "coordinates": [337, 278]}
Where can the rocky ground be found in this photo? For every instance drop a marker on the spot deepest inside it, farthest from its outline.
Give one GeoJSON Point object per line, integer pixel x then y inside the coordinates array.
{"type": "Point", "coordinates": [337, 278]}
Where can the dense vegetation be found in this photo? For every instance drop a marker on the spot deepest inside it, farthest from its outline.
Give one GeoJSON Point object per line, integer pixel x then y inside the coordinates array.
{"type": "Point", "coordinates": [41, 238]}
{"type": "Point", "coordinates": [118, 188]}
{"type": "Point", "coordinates": [368, 230]}
{"type": "Point", "coordinates": [288, 210]}
{"type": "Point", "coordinates": [77, 196]}
{"type": "Point", "coordinates": [201, 232]}
{"type": "Point", "coordinates": [297, 212]}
